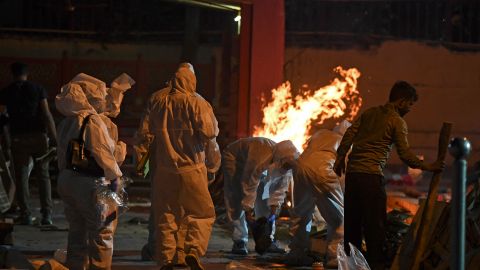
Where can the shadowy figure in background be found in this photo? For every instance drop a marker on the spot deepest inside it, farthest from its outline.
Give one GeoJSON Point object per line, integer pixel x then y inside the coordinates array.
{"type": "Point", "coordinates": [30, 122]}
{"type": "Point", "coordinates": [7, 184]}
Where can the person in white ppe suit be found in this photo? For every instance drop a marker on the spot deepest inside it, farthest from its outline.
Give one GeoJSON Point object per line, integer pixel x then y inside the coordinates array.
{"type": "Point", "coordinates": [271, 193]}
{"type": "Point", "coordinates": [90, 238]}
{"type": "Point", "coordinates": [183, 124]}
{"type": "Point", "coordinates": [243, 162]}
{"type": "Point", "coordinates": [316, 184]}
{"type": "Point", "coordinates": [143, 139]}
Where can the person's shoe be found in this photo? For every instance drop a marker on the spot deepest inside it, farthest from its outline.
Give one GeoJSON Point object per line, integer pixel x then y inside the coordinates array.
{"type": "Point", "coordinates": [12, 211]}
{"type": "Point", "coordinates": [275, 248]}
{"type": "Point", "coordinates": [179, 259]}
{"type": "Point", "coordinates": [24, 219]}
{"type": "Point", "coordinates": [146, 254]}
{"type": "Point", "coordinates": [167, 266]}
{"type": "Point", "coordinates": [193, 261]}
{"type": "Point", "coordinates": [240, 248]}
{"type": "Point", "coordinates": [46, 220]}
{"type": "Point", "coordinates": [298, 258]}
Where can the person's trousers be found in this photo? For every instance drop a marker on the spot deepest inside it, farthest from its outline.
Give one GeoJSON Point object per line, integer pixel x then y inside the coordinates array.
{"type": "Point", "coordinates": [365, 215]}
{"type": "Point", "coordinates": [261, 209]}
{"type": "Point", "coordinates": [310, 190]}
{"type": "Point", "coordinates": [90, 236]}
{"type": "Point", "coordinates": [151, 240]}
{"type": "Point", "coordinates": [233, 195]}
{"type": "Point", "coordinates": [25, 149]}
{"type": "Point", "coordinates": [182, 206]}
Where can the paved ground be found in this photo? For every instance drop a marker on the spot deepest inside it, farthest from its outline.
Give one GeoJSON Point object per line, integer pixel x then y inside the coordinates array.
{"type": "Point", "coordinates": [131, 235]}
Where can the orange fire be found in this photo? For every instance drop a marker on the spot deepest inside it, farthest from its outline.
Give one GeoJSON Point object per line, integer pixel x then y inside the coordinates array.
{"type": "Point", "coordinates": [290, 118]}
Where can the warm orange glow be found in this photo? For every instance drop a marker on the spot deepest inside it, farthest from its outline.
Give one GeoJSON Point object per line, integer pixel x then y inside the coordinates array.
{"type": "Point", "coordinates": [290, 118]}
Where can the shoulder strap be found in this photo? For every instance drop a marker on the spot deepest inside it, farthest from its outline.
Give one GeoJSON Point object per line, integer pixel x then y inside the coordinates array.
{"type": "Point", "coordinates": [82, 128]}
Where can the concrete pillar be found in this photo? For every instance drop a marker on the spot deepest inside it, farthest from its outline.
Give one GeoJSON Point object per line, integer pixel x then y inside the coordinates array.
{"type": "Point", "coordinates": [262, 49]}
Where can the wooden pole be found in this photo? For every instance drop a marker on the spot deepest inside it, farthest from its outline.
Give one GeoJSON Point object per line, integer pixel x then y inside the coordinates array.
{"type": "Point", "coordinates": [421, 237]}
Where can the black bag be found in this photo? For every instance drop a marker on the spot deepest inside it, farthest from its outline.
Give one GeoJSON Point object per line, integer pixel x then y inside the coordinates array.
{"type": "Point", "coordinates": [79, 159]}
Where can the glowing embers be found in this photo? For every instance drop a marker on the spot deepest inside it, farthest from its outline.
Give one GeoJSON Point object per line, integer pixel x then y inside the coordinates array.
{"type": "Point", "coordinates": [290, 118]}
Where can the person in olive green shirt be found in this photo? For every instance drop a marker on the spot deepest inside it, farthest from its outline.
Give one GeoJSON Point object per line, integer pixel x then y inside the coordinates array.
{"type": "Point", "coordinates": [372, 136]}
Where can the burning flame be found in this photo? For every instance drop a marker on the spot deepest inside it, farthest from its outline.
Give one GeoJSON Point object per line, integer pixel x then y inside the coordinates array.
{"type": "Point", "coordinates": [291, 118]}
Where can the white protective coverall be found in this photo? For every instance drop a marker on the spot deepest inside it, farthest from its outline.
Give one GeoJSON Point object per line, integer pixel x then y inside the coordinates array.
{"type": "Point", "coordinates": [243, 163]}
{"type": "Point", "coordinates": [143, 139]}
{"type": "Point", "coordinates": [316, 184]}
{"type": "Point", "coordinates": [90, 240]}
{"type": "Point", "coordinates": [183, 124]}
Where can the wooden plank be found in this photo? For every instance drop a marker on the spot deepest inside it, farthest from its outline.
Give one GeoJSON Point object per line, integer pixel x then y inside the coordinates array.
{"type": "Point", "coordinates": [421, 239]}
{"type": "Point", "coordinates": [404, 254]}
{"type": "Point", "coordinates": [420, 229]}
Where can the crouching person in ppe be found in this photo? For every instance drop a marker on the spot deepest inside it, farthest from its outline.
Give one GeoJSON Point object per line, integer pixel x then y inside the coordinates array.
{"type": "Point", "coordinates": [316, 184]}
{"type": "Point", "coordinates": [271, 194]}
{"type": "Point", "coordinates": [87, 106]}
{"type": "Point", "coordinates": [183, 123]}
{"type": "Point", "coordinates": [243, 162]}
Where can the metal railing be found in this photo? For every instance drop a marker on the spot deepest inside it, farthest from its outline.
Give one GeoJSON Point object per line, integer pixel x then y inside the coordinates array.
{"type": "Point", "coordinates": [308, 22]}
{"type": "Point", "coordinates": [424, 20]}
{"type": "Point", "coordinates": [108, 19]}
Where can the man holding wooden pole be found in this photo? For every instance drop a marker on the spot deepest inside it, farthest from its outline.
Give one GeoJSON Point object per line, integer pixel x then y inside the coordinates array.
{"type": "Point", "coordinates": [372, 135]}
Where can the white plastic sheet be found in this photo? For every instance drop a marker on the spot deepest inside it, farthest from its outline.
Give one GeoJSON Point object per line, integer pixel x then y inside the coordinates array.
{"type": "Point", "coordinates": [355, 261]}
{"type": "Point", "coordinates": [112, 203]}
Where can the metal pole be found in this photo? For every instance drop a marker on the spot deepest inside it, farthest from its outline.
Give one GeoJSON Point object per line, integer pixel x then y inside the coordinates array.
{"type": "Point", "coordinates": [459, 148]}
